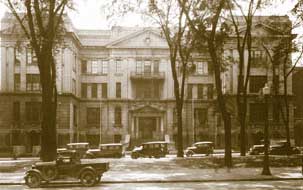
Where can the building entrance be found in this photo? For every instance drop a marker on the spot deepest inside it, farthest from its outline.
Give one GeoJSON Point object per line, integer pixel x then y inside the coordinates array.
{"type": "Point", "coordinates": [147, 127]}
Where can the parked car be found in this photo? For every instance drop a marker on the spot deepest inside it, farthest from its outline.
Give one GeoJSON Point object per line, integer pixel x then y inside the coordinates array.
{"type": "Point", "coordinates": [80, 148]}
{"type": "Point", "coordinates": [281, 148]}
{"type": "Point", "coordinates": [256, 149]}
{"type": "Point", "coordinates": [65, 166]}
{"type": "Point", "coordinates": [113, 150]}
{"type": "Point", "coordinates": [204, 147]}
{"type": "Point", "coordinates": [154, 149]}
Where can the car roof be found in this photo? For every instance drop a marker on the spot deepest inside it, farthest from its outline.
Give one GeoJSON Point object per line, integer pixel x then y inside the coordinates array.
{"type": "Point", "coordinates": [111, 144]}
{"type": "Point", "coordinates": [259, 145]}
{"type": "Point", "coordinates": [82, 143]}
{"type": "Point", "coordinates": [204, 142]}
{"type": "Point", "coordinates": [156, 142]}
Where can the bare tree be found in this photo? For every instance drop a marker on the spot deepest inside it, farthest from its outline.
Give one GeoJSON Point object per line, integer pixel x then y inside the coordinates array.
{"type": "Point", "coordinates": [40, 22]}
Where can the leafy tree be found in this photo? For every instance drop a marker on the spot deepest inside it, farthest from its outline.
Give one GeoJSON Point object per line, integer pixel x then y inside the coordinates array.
{"type": "Point", "coordinates": [204, 18]}
{"type": "Point", "coordinates": [40, 21]}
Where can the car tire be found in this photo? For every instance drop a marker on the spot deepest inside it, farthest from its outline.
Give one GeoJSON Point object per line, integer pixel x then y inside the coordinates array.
{"type": "Point", "coordinates": [33, 180]}
{"type": "Point", "coordinates": [88, 178]}
{"type": "Point", "coordinates": [49, 173]}
{"type": "Point", "coordinates": [189, 153]}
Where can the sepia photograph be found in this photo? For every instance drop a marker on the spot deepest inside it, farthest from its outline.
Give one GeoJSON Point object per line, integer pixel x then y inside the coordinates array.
{"type": "Point", "coordinates": [151, 94]}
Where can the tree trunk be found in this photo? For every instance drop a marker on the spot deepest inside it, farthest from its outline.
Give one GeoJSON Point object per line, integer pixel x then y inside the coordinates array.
{"type": "Point", "coordinates": [49, 102]}
{"type": "Point", "coordinates": [180, 152]}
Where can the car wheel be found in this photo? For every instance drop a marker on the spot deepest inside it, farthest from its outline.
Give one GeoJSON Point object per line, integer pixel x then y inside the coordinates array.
{"type": "Point", "coordinates": [88, 178]}
{"type": "Point", "coordinates": [33, 180]}
{"type": "Point", "coordinates": [49, 173]}
{"type": "Point", "coordinates": [189, 153]}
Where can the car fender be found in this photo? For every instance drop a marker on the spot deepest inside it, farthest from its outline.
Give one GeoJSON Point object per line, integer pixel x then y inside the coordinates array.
{"type": "Point", "coordinates": [89, 168]}
{"type": "Point", "coordinates": [34, 171]}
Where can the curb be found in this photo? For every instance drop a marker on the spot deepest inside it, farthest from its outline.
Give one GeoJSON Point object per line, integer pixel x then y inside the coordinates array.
{"type": "Point", "coordinates": [166, 181]}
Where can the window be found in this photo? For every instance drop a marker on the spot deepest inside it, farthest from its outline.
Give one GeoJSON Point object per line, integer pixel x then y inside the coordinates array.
{"type": "Point", "coordinates": [94, 90]}
{"type": "Point", "coordinates": [118, 66]}
{"type": "Point", "coordinates": [16, 111]}
{"type": "Point", "coordinates": [84, 66]}
{"type": "Point", "coordinates": [93, 115]}
{"type": "Point", "coordinates": [74, 90]}
{"type": "Point", "coordinates": [104, 90]}
{"type": "Point", "coordinates": [147, 67]}
{"type": "Point", "coordinates": [84, 90]}
{"type": "Point", "coordinates": [200, 91]}
{"type": "Point", "coordinates": [202, 68]}
{"type": "Point", "coordinates": [147, 90]}
{"type": "Point", "coordinates": [31, 58]}
{"type": "Point", "coordinates": [104, 66]}
{"type": "Point", "coordinates": [256, 83]}
{"type": "Point", "coordinates": [95, 67]}
{"type": "Point", "coordinates": [138, 66]}
{"type": "Point", "coordinates": [33, 111]}
{"type": "Point", "coordinates": [32, 82]}
{"type": "Point", "coordinates": [117, 138]}
{"type": "Point", "coordinates": [118, 90]}
{"type": "Point", "coordinates": [75, 115]}
{"type": "Point", "coordinates": [17, 82]}
{"type": "Point", "coordinates": [118, 116]}
{"type": "Point", "coordinates": [189, 91]}
{"type": "Point", "coordinates": [156, 66]}
{"type": "Point", "coordinates": [257, 112]}
{"type": "Point", "coordinates": [17, 57]}
{"type": "Point", "coordinates": [258, 58]}
{"type": "Point", "coordinates": [210, 92]}
{"type": "Point", "coordinates": [200, 117]}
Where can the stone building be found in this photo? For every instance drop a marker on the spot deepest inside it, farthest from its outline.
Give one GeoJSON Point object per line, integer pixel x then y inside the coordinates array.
{"type": "Point", "coordinates": [116, 83]}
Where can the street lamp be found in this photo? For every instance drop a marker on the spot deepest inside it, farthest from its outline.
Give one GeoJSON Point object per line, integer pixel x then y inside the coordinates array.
{"type": "Point", "coordinates": [266, 170]}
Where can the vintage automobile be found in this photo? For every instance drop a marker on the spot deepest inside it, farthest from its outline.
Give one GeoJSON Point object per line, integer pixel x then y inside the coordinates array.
{"type": "Point", "coordinates": [113, 150]}
{"type": "Point", "coordinates": [89, 174]}
{"type": "Point", "coordinates": [205, 147]}
{"type": "Point", "coordinates": [80, 148]}
{"type": "Point", "coordinates": [256, 149]}
{"type": "Point", "coordinates": [154, 149]}
{"type": "Point", "coordinates": [281, 148]}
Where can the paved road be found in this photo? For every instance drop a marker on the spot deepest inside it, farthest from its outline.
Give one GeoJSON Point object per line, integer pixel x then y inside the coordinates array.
{"type": "Point", "coordinates": [247, 185]}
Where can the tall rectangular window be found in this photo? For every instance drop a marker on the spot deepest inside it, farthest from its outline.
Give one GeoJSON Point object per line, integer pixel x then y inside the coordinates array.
{"type": "Point", "coordinates": [104, 66]}
{"type": "Point", "coordinates": [201, 68]}
{"type": "Point", "coordinates": [32, 82]}
{"type": "Point", "coordinates": [156, 66]}
{"type": "Point", "coordinates": [16, 111]}
{"type": "Point", "coordinates": [256, 83]}
{"type": "Point", "coordinates": [17, 82]}
{"type": "Point", "coordinates": [17, 56]}
{"type": "Point", "coordinates": [94, 90]}
{"type": "Point", "coordinates": [200, 91]}
{"type": "Point", "coordinates": [138, 66]}
{"type": "Point", "coordinates": [258, 58]}
{"type": "Point", "coordinates": [104, 90]}
{"type": "Point", "coordinates": [200, 117]}
{"type": "Point", "coordinates": [75, 115]}
{"type": "Point", "coordinates": [118, 90]}
{"type": "Point", "coordinates": [189, 91]}
{"type": "Point", "coordinates": [31, 58]}
{"type": "Point", "coordinates": [210, 91]}
{"type": "Point", "coordinates": [118, 116]}
{"type": "Point", "coordinates": [118, 66]}
{"type": "Point", "coordinates": [33, 111]}
{"type": "Point", "coordinates": [95, 68]}
{"type": "Point", "coordinates": [93, 115]}
{"type": "Point", "coordinates": [147, 67]}
{"type": "Point", "coordinates": [83, 66]}
{"type": "Point", "coordinates": [84, 90]}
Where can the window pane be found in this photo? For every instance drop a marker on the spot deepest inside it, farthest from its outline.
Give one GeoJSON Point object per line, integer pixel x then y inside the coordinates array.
{"type": "Point", "coordinates": [200, 91]}
{"type": "Point", "coordinates": [94, 90]}
{"type": "Point", "coordinates": [84, 90]}
{"type": "Point", "coordinates": [257, 112]}
{"type": "Point", "coordinates": [93, 115]}
{"type": "Point", "coordinates": [256, 83]}
{"type": "Point", "coordinates": [104, 67]}
{"type": "Point", "coordinates": [104, 90]}
{"type": "Point", "coordinates": [139, 66]}
{"type": "Point", "coordinates": [118, 115]}
{"type": "Point", "coordinates": [16, 111]}
{"type": "Point", "coordinates": [17, 82]}
{"type": "Point", "coordinates": [118, 90]}
{"type": "Point", "coordinates": [84, 66]}
{"type": "Point", "coordinates": [147, 67]}
{"type": "Point", "coordinates": [94, 67]}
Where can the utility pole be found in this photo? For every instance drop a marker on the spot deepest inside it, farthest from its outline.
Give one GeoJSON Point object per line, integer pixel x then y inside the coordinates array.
{"type": "Point", "coordinates": [266, 170]}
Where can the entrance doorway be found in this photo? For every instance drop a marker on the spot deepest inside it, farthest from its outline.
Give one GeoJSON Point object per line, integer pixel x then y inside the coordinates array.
{"type": "Point", "coordinates": [147, 127]}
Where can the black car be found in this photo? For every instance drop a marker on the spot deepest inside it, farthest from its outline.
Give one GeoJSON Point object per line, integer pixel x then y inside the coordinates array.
{"type": "Point", "coordinates": [88, 173]}
{"type": "Point", "coordinates": [113, 150]}
{"type": "Point", "coordinates": [154, 149]}
{"type": "Point", "coordinates": [256, 149]}
{"type": "Point", "coordinates": [281, 148]}
{"type": "Point", "coordinates": [204, 147]}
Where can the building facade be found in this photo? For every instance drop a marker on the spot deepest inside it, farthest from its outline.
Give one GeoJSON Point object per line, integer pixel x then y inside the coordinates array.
{"type": "Point", "coordinates": [115, 84]}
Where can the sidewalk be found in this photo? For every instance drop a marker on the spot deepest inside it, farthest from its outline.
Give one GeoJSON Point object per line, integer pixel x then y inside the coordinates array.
{"type": "Point", "coordinates": [163, 170]}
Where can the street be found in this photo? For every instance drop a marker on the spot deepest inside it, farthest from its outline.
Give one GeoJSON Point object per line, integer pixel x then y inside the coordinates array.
{"type": "Point", "coordinates": [255, 185]}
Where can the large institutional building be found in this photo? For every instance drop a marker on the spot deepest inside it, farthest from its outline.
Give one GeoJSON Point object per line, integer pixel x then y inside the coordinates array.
{"type": "Point", "coordinates": [118, 83]}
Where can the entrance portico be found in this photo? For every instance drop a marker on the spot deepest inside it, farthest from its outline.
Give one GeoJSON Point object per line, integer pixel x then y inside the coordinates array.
{"type": "Point", "coordinates": [147, 124]}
